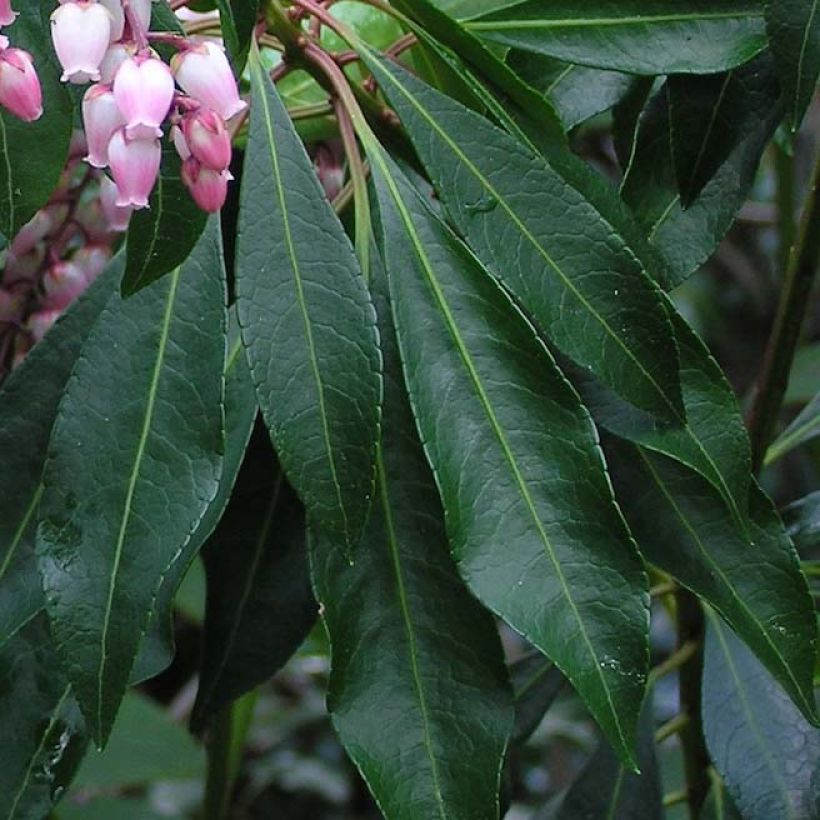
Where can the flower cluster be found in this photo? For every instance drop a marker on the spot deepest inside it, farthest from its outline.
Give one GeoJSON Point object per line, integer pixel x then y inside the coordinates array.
{"type": "Point", "coordinates": [20, 90]}
{"type": "Point", "coordinates": [106, 42]}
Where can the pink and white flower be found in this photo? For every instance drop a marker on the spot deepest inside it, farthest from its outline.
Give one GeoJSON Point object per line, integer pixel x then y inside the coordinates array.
{"type": "Point", "coordinates": [144, 91]}
{"type": "Point", "coordinates": [203, 72]}
{"type": "Point", "coordinates": [135, 167]}
{"type": "Point", "coordinates": [81, 32]}
{"type": "Point", "coordinates": [101, 117]}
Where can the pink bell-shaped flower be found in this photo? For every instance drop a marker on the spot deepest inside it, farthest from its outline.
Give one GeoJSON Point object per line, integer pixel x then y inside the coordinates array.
{"type": "Point", "coordinates": [144, 90]}
{"type": "Point", "coordinates": [115, 56]}
{"type": "Point", "coordinates": [63, 283]}
{"type": "Point", "coordinates": [81, 32]}
{"type": "Point", "coordinates": [101, 117]}
{"type": "Point", "coordinates": [91, 260]}
{"type": "Point", "coordinates": [117, 216]}
{"type": "Point", "coordinates": [115, 9]}
{"type": "Point", "coordinates": [7, 14]}
{"type": "Point", "coordinates": [134, 166]}
{"type": "Point", "coordinates": [20, 89]}
{"type": "Point", "coordinates": [203, 72]}
{"type": "Point", "coordinates": [142, 11]}
{"type": "Point", "coordinates": [207, 138]}
{"type": "Point", "coordinates": [208, 188]}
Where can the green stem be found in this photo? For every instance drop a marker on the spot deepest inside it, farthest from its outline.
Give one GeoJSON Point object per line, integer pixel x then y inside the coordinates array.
{"type": "Point", "coordinates": [786, 201]}
{"type": "Point", "coordinates": [794, 301]}
{"type": "Point", "coordinates": [671, 727]}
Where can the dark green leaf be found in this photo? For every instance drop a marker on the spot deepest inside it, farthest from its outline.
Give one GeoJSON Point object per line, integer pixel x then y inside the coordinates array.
{"type": "Point", "coordinates": [428, 734]}
{"type": "Point", "coordinates": [753, 580]}
{"type": "Point", "coordinates": [794, 35]}
{"type": "Point", "coordinates": [763, 748]}
{"type": "Point", "coordinates": [160, 237]}
{"type": "Point", "coordinates": [805, 427]}
{"type": "Point", "coordinates": [238, 18]}
{"type": "Point", "coordinates": [134, 461]}
{"type": "Point", "coordinates": [637, 36]}
{"type": "Point", "coordinates": [536, 683]}
{"type": "Point", "coordinates": [687, 238]}
{"type": "Point", "coordinates": [34, 154]}
{"type": "Point", "coordinates": [606, 789]}
{"type": "Point", "coordinates": [163, 17]}
{"type": "Point", "coordinates": [802, 519]}
{"type": "Point", "coordinates": [514, 452]}
{"type": "Point", "coordinates": [542, 238]}
{"type": "Point", "coordinates": [307, 323]}
{"type": "Point", "coordinates": [259, 606]}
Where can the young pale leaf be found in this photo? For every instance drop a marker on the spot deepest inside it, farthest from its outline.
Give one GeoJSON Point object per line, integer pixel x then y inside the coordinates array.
{"type": "Point", "coordinates": [687, 238]}
{"type": "Point", "coordinates": [570, 268]}
{"type": "Point", "coordinates": [134, 461]}
{"type": "Point", "coordinates": [43, 736]}
{"type": "Point", "coordinates": [161, 237]}
{"type": "Point", "coordinates": [794, 36]}
{"type": "Point", "coordinates": [33, 154]}
{"type": "Point", "coordinates": [636, 36]}
{"type": "Point", "coordinates": [763, 748]}
{"type": "Point", "coordinates": [307, 323]}
{"type": "Point", "coordinates": [515, 453]}
{"type": "Point", "coordinates": [418, 687]}
{"type": "Point", "coordinates": [753, 579]}
{"type": "Point", "coordinates": [259, 606]}
{"type": "Point", "coordinates": [805, 427]}
{"type": "Point", "coordinates": [536, 683]}
{"type": "Point", "coordinates": [29, 398]}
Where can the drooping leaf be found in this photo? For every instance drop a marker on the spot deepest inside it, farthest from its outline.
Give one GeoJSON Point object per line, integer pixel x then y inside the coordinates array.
{"type": "Point", "coordinates": [157, 648]}
{"type": "Point", "coordinates": [753, 579]}
{"type": "Point", "coordinates": [541, 237]}
{"type": "Point", "coordinates": [307, 323]}
{"type": "Point", "coordinates": [514, 452]}
{"type": "Point", "coordinates": [793, 27]}
{"type": "Point", "coordinates": [766, 752]}
{"type": "Point", "coordinates": [536, 683]}
{"type": "Point", "coordinates": [42, 739]}
{"type": "Point", "coordinates": [687, 238]}
{"type": "Point", "coordinates": [802, 519]}
{"type": "Point", "coordinates": [428, 734]}
{"type": "Point", "coordinates": [160, 237]}
{"type": "Point", "coordinates": [637, 36]}
{"type": "Point", "coordinates": [804, 427]}
{"type": "Point", "coordinates": [33, 154]}
{"type": "Point", "coordinates": [260, 606]}
{"type": "Point", "coordinates": [134, 461]}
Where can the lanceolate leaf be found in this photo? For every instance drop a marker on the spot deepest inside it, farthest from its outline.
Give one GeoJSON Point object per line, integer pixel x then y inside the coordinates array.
{"type": "Point", "coordinates": [542, 238]}
{"type": "Point", "coordinates": [805, 427]}
{"type": "Point", "coordinates": [134, 461]}
{"type": "Point", "coordinates": [794, 35]}
{"type": "Point", "coordinates": [33, 155]}
{"type": "Point", "coordinates": [307, 323]}
{"type": "Point", "coordinates": [636, 36]}
{"type": "Point", "coordinates": [763, 748]}
{"type": "Point", "coordinates": [753, 579]}
{"type": "Point", "coordinates": [161, 237]}
{"type": "Point", "coordinates": [515, 452]}
{"type": "Point", "coordinates": [427, 734]}
{"type": "Point", "coordinates": [238, 18]}
{"type": "Point", "coordinates": [28, 405]}
{"type": "Point", "coordinates": [260, 606]}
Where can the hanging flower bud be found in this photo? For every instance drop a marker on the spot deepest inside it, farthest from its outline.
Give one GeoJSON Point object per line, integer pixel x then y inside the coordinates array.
{"type": "Point", "coordinates": [7, 15]}
{"type": "Point", "coordinates": [203, 72]}
{"type": "Point", "coordinates": [134, 166]}
{"type": "Point", "coordinates": [101, 117]}
{"type": "Point", "coordinates": [115, 9]}
{"type": "Point", "coordinates": [63, 283]}
{"type": "Point", "coordinates": [142, 11]}
{"type": "Point", "coordinates": [207, 138]}
{"type": "Point", "coordinates": [208, 188]}
{"type": "Point", "coordinates": [178, 138]}
{"type": "Point", "coordinates": [81, 32]}
{"type": "Point", "coordinates": [20, 90]}
{"type": "Point", "coordinates": [117, 216]}
{"type": "Point", "coordinates": [144, 90]}
{"type": "Point", "coordinates": [114, 57]}
{"type": "Point", "coordinates": [91, 260]}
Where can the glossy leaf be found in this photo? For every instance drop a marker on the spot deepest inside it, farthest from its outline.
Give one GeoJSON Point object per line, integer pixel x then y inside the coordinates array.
{"type": "Point", "coordinates": [134, 461]}
{"type": "Point", "coordinates": [428, 738]}
{"type": "Point", "coordinates": [260, 606]}
{"type": "Point", "coordinates": [307, 323]}
{"type": "Point", "coordinates": [763, 748]}
{"type": "Point", "coordinates": [754, 581]}
{"type": "Point", "coordinates": [804, 427]}
{"type": "Point", "coordinates": [687, 238]}
{"type": "Point", "coordinates": [541, 237]}
{"type": "Point", "coordinates": [514, 452]}
{"type": "Point", "coordinates": [536, 683]}
{"type": "Point", "coordinates": [793, 27]}
{"type": "Point", "coordinates": [238, 18]}
{"type": "Point", "coordinates": [160, 237]}
{"type": "Point", "coordinates": [33, 154]}
{"type": "Point", "coordinates": [637, 36]}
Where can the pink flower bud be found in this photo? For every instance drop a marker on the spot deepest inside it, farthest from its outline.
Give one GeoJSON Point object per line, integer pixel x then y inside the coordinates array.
{"type": "Point", "coordinates": [144, 90]}
{"type": "Point", "coordinates": [102, 117]}
{"type": "Point", "coordinates": [203, 71]}
{"type": "Point", "coordinates": [116, 216]}
{"type": "Point", "coordinates": [24, 268]}
{"type": "Point", "coordinates": [63, 283]}
{"type": "Point", "coordinates": [20, 90]}
{"type": "Point", "coordinates": [81, 32]}
{"type": "Point", "coordinates": [207, 187]}
{"type": "Point", "coordinates": [114, 57]}
{"type": "Point", "coordinates": [91, 260]}
{"type": "Point", "coordinates": [134, 166]}
{"type": "Point", "coordinates": [7, 15]}
{"type": "Point", "coordinates": [117, 18]}
{"type": "Point", "coordinates": [180, 143]}
{"type": "Point", "coordinates": [31, 233]}
{"type": "Point", "coordinates": [38, 324]}
{"type": "Point", "coordinates": [207, 138]}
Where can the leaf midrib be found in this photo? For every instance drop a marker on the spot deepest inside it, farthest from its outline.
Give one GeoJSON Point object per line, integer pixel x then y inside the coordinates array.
{"type": "Point", "coordinates": [21, 529]}
{"type": "Point", "coordinates": [153, 389]}
{"type": "Point", "coordinates": [499, 433]}
{"type": "Point", "coordinates": [591, 22]}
